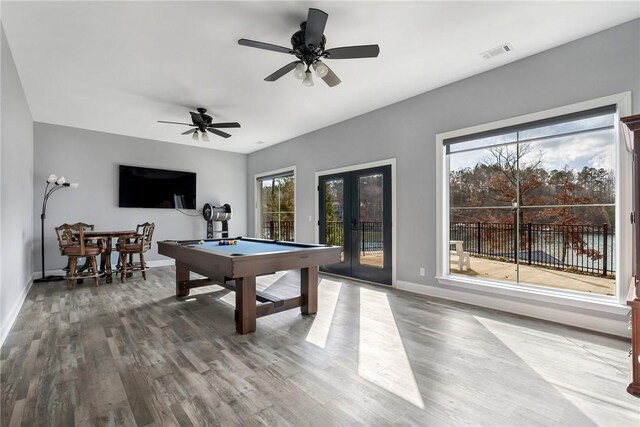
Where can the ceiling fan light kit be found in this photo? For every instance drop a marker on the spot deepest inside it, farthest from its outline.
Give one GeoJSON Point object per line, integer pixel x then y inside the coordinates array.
{"type": "Point", "coordinates": [299, 71]}
{"type": "Point", "coordinates": [308, 80]}
{"type": "Point", "coordinates": [321, 69]}
{"type": "Point", "coordinates": [308, 45]}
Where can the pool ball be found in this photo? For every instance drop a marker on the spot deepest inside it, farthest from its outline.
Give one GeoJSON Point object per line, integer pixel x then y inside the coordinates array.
{"type": "Point", "coordinates": [201, 242]}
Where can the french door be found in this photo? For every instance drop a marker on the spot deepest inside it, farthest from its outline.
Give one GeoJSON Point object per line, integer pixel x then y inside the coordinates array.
{"type": "Point", "coordinates": [355, 213]}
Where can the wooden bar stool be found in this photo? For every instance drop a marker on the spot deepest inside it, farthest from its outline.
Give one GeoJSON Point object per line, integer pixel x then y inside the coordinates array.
{"type": "Point", "coordinates": [137, 244]}
{"type": "Point", "coordinates": [74, 245]}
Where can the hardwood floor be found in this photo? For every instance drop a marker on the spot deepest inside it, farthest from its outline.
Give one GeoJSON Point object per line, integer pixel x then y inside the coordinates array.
{"type": "Point", "coordinates": [133, 354]}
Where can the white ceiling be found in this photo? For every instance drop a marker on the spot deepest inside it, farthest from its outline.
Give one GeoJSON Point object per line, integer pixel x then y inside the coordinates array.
{"type": "Point", "coordinates": [118, 67]}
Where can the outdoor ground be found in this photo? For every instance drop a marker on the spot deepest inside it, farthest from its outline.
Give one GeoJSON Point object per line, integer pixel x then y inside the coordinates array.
{"type": "Point", "coordinates": [498, 270]}
{"type": "Point", "coordinates": [492, 269]}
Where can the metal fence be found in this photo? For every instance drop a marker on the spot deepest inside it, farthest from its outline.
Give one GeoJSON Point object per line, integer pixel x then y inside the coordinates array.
{"type": "Point", "coordinates": [278, 230]}
{"type": "Point", "coordinates": [585, 248]}
{"type": "Point", "coordinates": [370, 237]}
{"type": "Point", "coordinates": [334, 233]}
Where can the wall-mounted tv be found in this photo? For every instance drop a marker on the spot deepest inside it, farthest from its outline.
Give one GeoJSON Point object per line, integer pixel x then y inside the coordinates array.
{"type": "Point", "coordinates": [156, 188]}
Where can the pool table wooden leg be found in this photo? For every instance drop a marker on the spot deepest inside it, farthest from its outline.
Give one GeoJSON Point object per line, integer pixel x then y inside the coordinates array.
{"type": "Point", "coordinates": [182, 274]}
{"type": "Point", "coordinates": [246, 304]}
{"type": "Point", "coordinates": [309, 290]}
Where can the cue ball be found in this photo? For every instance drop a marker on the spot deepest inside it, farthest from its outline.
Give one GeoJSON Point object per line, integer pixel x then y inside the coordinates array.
{"type": "Point", "coordinates": [201, 242]}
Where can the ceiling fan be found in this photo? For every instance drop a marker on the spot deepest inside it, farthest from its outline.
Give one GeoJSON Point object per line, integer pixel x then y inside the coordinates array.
{"type": "Point", "coordinates": [308, 45]}
{"type": "Point", "coordinates": [204, 123]}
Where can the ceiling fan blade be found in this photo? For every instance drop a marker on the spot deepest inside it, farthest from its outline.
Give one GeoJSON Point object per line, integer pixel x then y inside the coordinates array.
{"type": "Point", "coordinates": [351, 52]}
{"type": "Point", "coordinates": [175, 123]}
{"type": "Point", "coordinates": [224, 125]}
{"type": "Point", "coordinates": [189, 131]}
{"type": "Point", "coordinates": [316, 21]}
{"type": "Point", "coordinates": [266, 46]}
{"type": "Point", "coordinates": [197, 119]}
{"type": "Point", "coordinates": [218, 132]}
{"type": "Point", "coordinates": [331, 79]}
{"type": "Point", "coordinates": [282, 71]}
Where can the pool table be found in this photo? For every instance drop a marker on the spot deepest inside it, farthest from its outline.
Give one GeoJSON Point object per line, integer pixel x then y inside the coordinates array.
{"type": "Point", "coordinates": [241, 263]}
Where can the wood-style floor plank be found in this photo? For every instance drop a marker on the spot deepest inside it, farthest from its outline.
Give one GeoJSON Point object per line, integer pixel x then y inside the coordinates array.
{"type": "Point", "coordinates": [133, 354]}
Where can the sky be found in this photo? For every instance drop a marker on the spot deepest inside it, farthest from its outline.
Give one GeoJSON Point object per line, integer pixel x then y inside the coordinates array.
{"type": "Point", "coordinates": [594, 149]}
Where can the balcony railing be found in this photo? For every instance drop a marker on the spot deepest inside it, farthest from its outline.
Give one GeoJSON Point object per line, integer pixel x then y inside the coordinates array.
{"type": "Point", "coordinates": [370, 236]}
{"type": "Point", "coordinates": [278, 230]}
{"type": "Point", "coordinates": [584, 248]}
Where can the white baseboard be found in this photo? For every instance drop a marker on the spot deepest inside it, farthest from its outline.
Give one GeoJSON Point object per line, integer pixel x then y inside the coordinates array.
{"type": "Point", "coordinates": [15, 310]}
{"type": "Point", "coordinates": [562, 315]}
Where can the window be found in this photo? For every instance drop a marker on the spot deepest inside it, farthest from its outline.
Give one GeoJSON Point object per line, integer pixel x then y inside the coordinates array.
{"type": "Point", "coordinates": [536, 204]}
{"type": "Point", "coordinates": [276, 206]}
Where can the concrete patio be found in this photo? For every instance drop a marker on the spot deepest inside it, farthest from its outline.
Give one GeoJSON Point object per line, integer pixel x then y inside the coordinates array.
{"type": "Point", "coordinates": [498, 270]}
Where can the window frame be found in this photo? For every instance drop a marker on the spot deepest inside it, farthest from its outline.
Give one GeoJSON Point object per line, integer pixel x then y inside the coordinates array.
{"type": "Point", "coordinates": [291, 170]}
{"type": "Point", "coordinates": [613, 304]}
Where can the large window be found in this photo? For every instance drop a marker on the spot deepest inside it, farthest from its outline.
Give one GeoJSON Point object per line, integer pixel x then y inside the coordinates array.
{"type": "Point", "coordinates": [534, 204]}
{"type": "Point", "coordinates": [276, 206]}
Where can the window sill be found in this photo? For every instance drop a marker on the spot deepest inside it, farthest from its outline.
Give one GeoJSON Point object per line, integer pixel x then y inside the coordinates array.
{"type": "Point", "coordinates": [602, 304]}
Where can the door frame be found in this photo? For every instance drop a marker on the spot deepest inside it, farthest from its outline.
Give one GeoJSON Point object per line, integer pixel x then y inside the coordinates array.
{"type": "Point", "coordinates": [386, 162]}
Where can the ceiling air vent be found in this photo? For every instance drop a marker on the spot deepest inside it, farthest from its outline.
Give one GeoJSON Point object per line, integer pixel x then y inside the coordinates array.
{"type": "Point", "coordinates": [491, 53]}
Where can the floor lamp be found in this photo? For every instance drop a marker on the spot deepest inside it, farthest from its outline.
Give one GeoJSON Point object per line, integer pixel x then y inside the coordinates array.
{"type": "Point", "coordinates": [58, 183]}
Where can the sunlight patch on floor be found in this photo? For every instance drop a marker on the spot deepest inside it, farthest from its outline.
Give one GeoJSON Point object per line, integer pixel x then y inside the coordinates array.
{"type": "Point", "coordinates": [540, 350]}
{"type": "Point", "coordinates": [382, 358]}
{"type": "Point", "coordinates": [262, 283]}
{"type": "Point", "coordinates": [229, 298]}
{"type": "Point", "coordinates": [328, 293]}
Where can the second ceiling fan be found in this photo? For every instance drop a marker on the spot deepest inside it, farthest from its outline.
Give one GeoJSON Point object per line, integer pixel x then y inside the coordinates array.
{"type": "Point", "coordinates": [308, 45]}
{"type": "Point", "coordinates": [204, 123]}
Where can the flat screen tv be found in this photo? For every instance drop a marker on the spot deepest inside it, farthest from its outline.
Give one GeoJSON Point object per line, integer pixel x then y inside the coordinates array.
{"type": "Point", "coordinates": [156, 188]}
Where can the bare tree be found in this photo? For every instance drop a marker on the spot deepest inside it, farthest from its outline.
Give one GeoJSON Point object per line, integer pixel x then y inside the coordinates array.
{"type": "Point", "coordinates": [516, 179]}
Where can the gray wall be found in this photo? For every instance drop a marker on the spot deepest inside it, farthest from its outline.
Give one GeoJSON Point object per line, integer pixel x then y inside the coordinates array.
{"type": "Point", "coordinates": [602, 64]}
{"type": "Point", "coordinates": [16, 195]}
{"type": "Point", "coordinates": [92, 158]}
